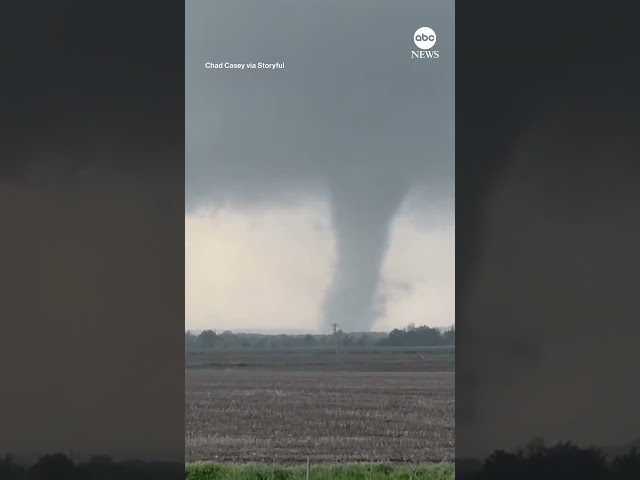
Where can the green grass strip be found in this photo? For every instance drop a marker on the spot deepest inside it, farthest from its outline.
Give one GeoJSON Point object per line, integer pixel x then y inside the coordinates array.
{"type": "Point", "coordinates": [358, 471]}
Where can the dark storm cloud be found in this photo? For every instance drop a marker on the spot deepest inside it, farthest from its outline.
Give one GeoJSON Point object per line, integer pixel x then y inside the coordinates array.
{"type": "Point", "coordinates": [546, 212]}
{"type": "Point", "coordinates": [553, 306]}
{"type": "Point", "coordinates": [351, 116]}
{"type": "Point", "coordinates": [91, 202]}
{"type": "Point", "coordinates": [82, 71]}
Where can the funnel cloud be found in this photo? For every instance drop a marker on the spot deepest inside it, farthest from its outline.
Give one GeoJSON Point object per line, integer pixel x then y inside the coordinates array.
{"type": "Point", "coordinates": [352, 120]}
{"type": "Point", "coordinates": [362, 234]}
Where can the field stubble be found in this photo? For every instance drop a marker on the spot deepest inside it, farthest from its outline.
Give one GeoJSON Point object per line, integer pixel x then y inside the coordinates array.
{"type": "Point", "coordinates": [339, 414]}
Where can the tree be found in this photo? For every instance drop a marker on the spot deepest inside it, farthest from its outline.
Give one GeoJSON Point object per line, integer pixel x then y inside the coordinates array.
{"type": "Point", "coordinates": [190, 340]}
{"type": "Point", "coordinates": [449, 337]}
{"type": "Point", "coordinates": [54, 466]}
{"type": "Point", "coordinates": [207, 339]}
{"type": "Point", "coordinates": [9, 468]}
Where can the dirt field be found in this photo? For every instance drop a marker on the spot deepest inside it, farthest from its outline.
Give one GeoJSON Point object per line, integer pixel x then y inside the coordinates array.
{"type": "Point", "coordinates": [384, 406]}
{"type": "Point", "coordinates": [379, 359]}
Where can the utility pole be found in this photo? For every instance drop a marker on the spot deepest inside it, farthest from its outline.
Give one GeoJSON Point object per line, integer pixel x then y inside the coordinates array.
{"type": "Point", "coordinates": [335, 333]}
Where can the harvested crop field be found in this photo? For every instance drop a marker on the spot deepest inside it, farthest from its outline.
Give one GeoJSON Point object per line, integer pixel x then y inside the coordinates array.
{"type": "Point", "coordinates": [380, 359]}
{"type": "Point", "coordinates": [283, 408]}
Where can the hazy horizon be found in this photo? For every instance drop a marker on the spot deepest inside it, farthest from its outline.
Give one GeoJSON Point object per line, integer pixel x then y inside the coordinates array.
{"type": "Point", "coordinates": [297, 331]}
{"type": "Point", "coordinates": [282, 259]}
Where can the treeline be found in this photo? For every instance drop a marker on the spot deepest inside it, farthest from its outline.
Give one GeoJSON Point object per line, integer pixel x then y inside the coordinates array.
{"type": "Point", "coordinates": [418, 337]}
{"type": "Point", "coordinates": [558, 462]}
{"type": "Point", "coordinates": [60, 466]}
{"type": "Point", "coordinates": [410, 336]}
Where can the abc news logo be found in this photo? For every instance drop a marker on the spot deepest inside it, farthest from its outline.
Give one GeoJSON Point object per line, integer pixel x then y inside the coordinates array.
{"type": "Point", "coordinates": [425, 39]}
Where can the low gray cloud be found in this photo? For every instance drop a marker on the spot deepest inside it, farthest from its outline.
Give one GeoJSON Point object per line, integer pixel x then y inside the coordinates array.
{"type": "Point", "coordinates": [351, 117]}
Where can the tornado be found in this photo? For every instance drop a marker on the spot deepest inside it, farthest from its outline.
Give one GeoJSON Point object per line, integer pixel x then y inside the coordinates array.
{"type": "Point", "coordinates": [362, 213]}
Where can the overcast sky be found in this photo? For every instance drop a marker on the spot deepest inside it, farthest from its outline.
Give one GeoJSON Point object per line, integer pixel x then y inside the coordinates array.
{"type": "Point", "coordinates": [552, 325]}
{"type": "Point", "coordinates": [91, 195]}
{"type": "Point", "coordinates": [547, 210]}
{"type": "Point", "coordinates": [322, 191]}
